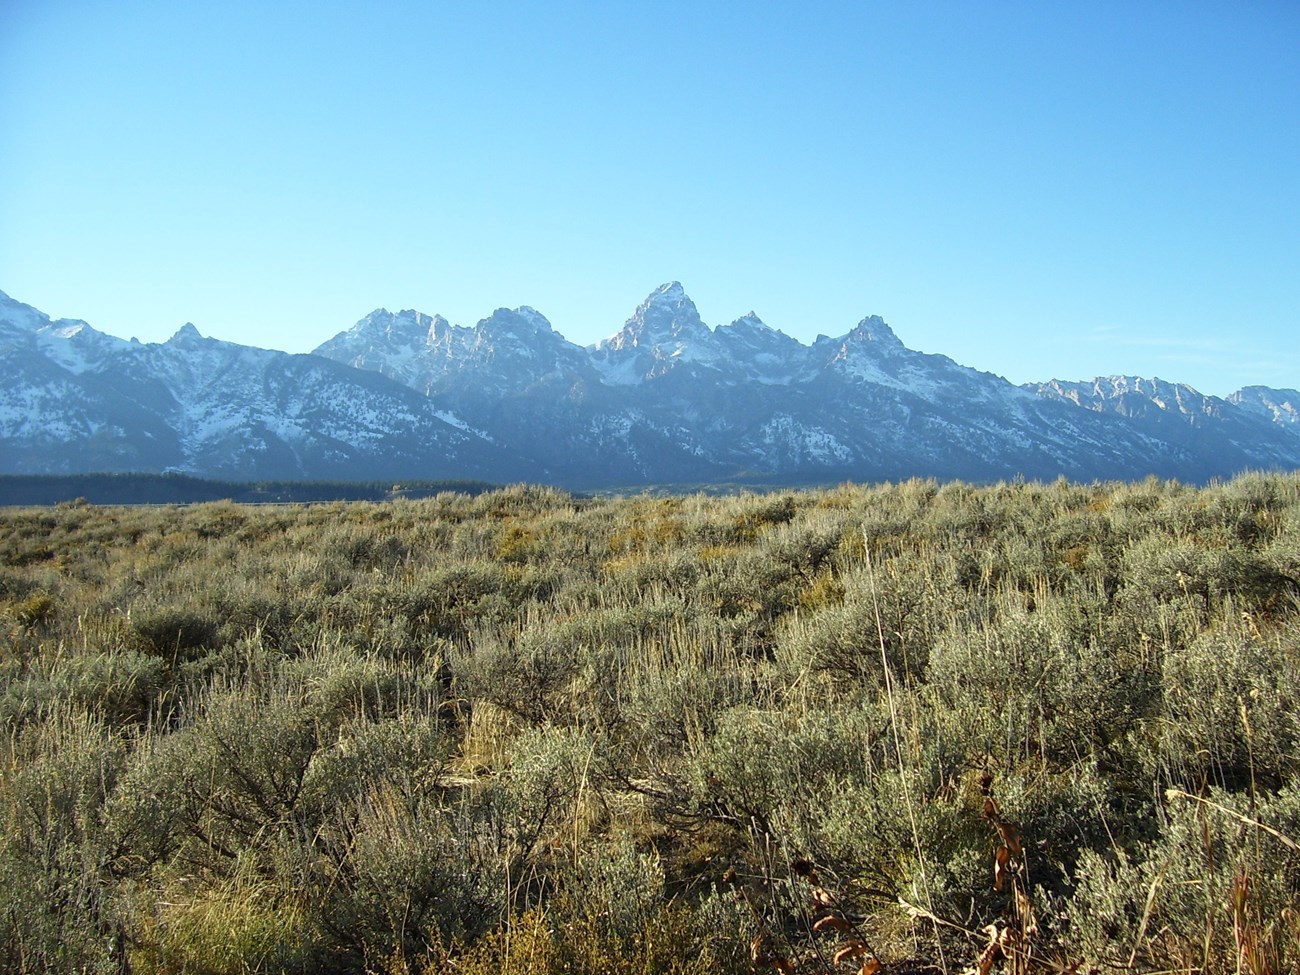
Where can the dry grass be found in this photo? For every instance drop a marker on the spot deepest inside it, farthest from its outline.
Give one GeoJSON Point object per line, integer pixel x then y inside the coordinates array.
{"type": "Point", "coordinates": [528, 732]}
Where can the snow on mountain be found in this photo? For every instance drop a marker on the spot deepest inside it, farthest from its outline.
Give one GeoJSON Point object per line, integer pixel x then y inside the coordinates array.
{"type": "Point", "coordinates": [515, 350]}
{"type": "Point", "coordinates": [760, 352]}
{"type": "Point", "coordinates": [20, 317]}
{"type": "Point", "coordinates": [509, 349]}
{"type": "Point", "coordinates": [72, 399]}
{"type": "Point", "coordinates": [71, 343]}
{"type": "Point", "coordinates": [1236, 433]}
{"type": "Point", "coordinates": [75, 345]}
{"type": "Point", "coordinates": [871, 353]}
{"type": "Point", "coordinates": [1133, 395]}
{"type": "Point", "coordinates": [665, 331]}
{"type": "Point", "coordinates": [664, 399]}
{"type": "Point", "coordinates": [411, 347]}
{"type": "Point", "coordinates": [666, 322]}
{"type": "Point", "coordinates": [1281, 406]}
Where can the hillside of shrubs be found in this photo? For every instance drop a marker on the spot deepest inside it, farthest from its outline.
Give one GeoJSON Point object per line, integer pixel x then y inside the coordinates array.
{"type": "Point", "coordinates": [911, 728]}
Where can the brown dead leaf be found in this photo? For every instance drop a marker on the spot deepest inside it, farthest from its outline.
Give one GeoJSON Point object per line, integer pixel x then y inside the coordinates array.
{"type": "Point", "coordinates": [1000, 861]}
{"type": "Point", "coordinates": [850, 951]}
{"type": "Point", "coordinates": [832, 922]}
{"type": "Point", "coordinates": [990, 955]}
{"type": "Point", "coordinates": [1011, 837]}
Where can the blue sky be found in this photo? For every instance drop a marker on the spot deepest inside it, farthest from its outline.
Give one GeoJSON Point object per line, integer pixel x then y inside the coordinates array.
{"type": "Point", "coordinates": [1042, 190]}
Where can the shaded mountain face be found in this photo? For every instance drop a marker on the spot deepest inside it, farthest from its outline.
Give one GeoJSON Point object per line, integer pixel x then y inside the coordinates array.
{"type": "Point", "coordinates": [665, 399]}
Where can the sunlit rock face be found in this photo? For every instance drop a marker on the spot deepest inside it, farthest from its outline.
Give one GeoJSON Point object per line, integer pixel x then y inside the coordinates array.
{"type": "Point", "coordinates": [666, 399]}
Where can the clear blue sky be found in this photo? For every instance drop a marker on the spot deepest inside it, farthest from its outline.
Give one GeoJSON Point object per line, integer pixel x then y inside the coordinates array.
{"type": "Point", "coordinates": [1040, 189]}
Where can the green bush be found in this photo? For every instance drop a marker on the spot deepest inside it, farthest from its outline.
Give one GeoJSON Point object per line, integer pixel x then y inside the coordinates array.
{"type": "Point", "coordinates": [541, 733]}
{"type": "Point", "coordinates": [60, 906]}
{"type": "Point", "coordinates": [172, 633]}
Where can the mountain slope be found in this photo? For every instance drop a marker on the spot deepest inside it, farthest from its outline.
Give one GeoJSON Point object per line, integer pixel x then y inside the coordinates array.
{"type": "Point", "coordinates": [1245, 430]}
{"type": "Point", "coordinates": [76, 400]}
{"type": "Point", "coordinates": [1279, 406]}
{"type": "Point", "coordinates": [665, 399]}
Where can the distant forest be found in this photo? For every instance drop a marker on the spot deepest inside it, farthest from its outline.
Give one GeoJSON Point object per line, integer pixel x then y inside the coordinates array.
{"type": "Point", "coordinates": [48, 489]}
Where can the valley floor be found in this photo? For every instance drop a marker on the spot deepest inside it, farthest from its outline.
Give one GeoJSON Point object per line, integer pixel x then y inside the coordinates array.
{"type": "Point", "coordinates": [917, 727]}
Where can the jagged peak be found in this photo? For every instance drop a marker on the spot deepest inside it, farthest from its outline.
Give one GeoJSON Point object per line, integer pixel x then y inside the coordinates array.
{"type": "Point", "coordinates": [666, 313]}
{"type": "Point", "coordinates": [186, 333]}
{"type": "Point", "coordinates": [385, 317]}
{"type": "Point", "coordinates": [874, 329]}
{"type": "Point", "coordinates": [1282, 406]}
{"type": "Point", "coordinates": [1142, 385]}
{"type": "Point", "coordinates": [1126, 393]}
{"type": "Point", "coordinates": [751, 320]}
{"type": "Point", "coordinates": [673, 290]}
{"type": "Point", "coordinates": [870, 336]}
{"type": "Point", "coordinates": [534, 318]}
{"type": "Point", "coordinates": [406, 327]}
{"type": "Point", "coordinates": [668, 297]}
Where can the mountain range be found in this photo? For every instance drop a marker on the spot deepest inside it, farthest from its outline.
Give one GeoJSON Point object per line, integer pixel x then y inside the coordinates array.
{"type": "Point", "coordinates": [665, 400]}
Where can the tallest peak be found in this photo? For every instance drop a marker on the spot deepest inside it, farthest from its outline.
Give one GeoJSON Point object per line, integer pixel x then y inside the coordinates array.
{"type": "Point", "coordinates": [671, 294]}
{"type": "Point", "coordinates": [666, 318]}
{"type": "Point", "coordinates": [668, 302]}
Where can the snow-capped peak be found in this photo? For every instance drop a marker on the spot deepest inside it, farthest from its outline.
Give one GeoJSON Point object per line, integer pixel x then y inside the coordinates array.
{"type": "Point", "coordinates": [1282, 406]}
{"type": "Point", "coordinates": [1132, 396]}
{"type": "Point", "coordinates": [187, 333]}
{"type": "Point", "coordinates": [668, 400]}
{"type": "Point", "coordinates": [25, 316]}
{"type": "Point", "coordinates": [669, 303]}
{"type": "Point", "coordinates": [751, 320]}
{"type": "Point", "coordinates": [406, 326]}
{"type": "Point", "coordinates": [666, 316]}
{"type": "Point", "coordinates": [664, 330]}
{"type": "Point", "coordinates": [538, 320]}
{"type": "Point", "coordinates": [533, 317]}
{"type": "Point", "coordinates": [672, 291]}
{"type": "Point", "coordinates": [873, 329]}
{"type": "Point", "coordinates": [67, 329]}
